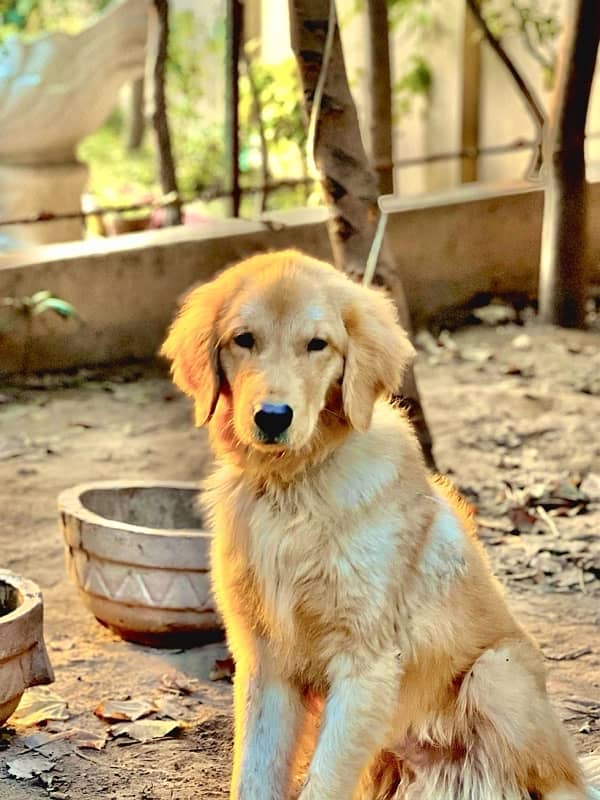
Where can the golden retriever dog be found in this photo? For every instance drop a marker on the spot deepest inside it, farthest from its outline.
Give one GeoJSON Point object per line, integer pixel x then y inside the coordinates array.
{"type": "Point", "coordinates": [375, 655]}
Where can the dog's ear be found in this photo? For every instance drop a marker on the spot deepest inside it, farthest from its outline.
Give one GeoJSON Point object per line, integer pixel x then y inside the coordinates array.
{"type": "Point", "coordinates": [378, 353]}
{"type": "Point", "coordinates": [192, 346]}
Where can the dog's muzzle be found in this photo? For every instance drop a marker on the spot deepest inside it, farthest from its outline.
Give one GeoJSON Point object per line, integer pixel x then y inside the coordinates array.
{"type": "Point", "coordinates": [272, 421]}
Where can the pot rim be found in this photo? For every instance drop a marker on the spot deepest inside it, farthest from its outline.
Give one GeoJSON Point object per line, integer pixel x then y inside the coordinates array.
{"type": "Point", "coordinates": [70, 502]}
{"type": "Point", "coordinates": [29, 593]}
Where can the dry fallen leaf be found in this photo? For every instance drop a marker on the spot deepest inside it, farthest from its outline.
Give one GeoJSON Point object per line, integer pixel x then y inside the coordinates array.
{"type": "Point", "coordinates": [176, 683]}
{"type": "Point", "coordinates": [522, 520]}
{"type": "Point", "coordinates": [174, 708]}
{"type": "Point", "coordinates": [86, 740]}
{"type": "Point", "coordinates": [38, 705]}
{"type": "Point", "coordinates": [36, 740]}
{"type": "Point", "coordinates": [224, 669]}
{"type": "Point", "coordinates": [146, 729]}
{"type": "Point", "coordinates": [44, 741]}
{"type": "Point", "coordinates": [124, 709]}
{"type": "Point", "coordinates": [590, 486]}
{"type": "Point", "coordinates": [29, 766]}
{"type": "Point", "coordinates": [494, 524]}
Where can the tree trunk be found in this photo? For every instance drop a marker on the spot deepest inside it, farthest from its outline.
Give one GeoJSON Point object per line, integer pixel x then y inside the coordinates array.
{"type": "Point", "coordinates": [135, 118]}
{"type": "Point", "coordinates": [380, 79]}
{"type": "Point", "coordinates": [564, 235]}
{"type": "Point", "coordinates": [532, 103]}
{"type": "Point", "coordinates": [156, 104]}
{"type": "Point", "coordinates": [349, 185]}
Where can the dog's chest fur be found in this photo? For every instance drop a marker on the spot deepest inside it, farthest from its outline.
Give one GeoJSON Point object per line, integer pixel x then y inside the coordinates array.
{"type": "Point", "coordinates": [327, 567]}
{"type": "Point", "coordinates": [321, 564]}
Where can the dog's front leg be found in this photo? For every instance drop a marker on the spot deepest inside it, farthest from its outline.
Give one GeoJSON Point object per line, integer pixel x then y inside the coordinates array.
{"type": "Point", "coordinates": [268, 715]}
{"type": "Point", "coordinates": [360, 706]}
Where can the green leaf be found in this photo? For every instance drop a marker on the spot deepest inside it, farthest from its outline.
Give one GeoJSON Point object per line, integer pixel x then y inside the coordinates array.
{"type": "Point", "coordinates": [418, 79]}
{"type": "Point", "coordinates": [39, 297]}
{"type": "Point", "coordinates": [60, 307]}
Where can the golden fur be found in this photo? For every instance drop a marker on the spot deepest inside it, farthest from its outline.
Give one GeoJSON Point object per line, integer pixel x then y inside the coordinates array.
{"type": "Point", "coordinates": [376, 657]}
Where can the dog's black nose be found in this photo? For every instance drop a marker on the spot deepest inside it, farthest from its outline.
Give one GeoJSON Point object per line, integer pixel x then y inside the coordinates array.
{"type": "Point", "coordinates": [273, 419]}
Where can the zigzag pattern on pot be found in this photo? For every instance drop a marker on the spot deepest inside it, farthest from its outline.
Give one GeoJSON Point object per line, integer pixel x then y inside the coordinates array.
{"type": "Point", "coordinates": [156, 588]}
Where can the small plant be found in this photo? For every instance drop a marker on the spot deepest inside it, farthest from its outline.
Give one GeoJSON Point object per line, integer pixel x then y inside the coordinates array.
{"type": "Point", "coordinates": [28, 307]}
{"type": "Point", "coordinates": [38, 303]}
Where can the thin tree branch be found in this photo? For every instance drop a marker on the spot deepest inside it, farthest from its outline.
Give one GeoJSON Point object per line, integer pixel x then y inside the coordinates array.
{"type": "Point", "coordinates": [533, 104]}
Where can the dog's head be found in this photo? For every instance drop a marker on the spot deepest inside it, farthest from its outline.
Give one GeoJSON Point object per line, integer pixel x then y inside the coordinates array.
{"type": "Point", "coordinates": [282, 347]}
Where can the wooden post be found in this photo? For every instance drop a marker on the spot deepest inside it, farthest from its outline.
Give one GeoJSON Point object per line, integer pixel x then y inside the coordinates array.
{"type": "Point", "coordinates": [235, 18]}
{"type": "Point", "coordinates": [156, 105]}
{"type": "Point", "coordinates": [135, 119]}
{"type": "Point", "coordinates": [471, 88]}
{"type": "Point", "coordinates": [380, 81]}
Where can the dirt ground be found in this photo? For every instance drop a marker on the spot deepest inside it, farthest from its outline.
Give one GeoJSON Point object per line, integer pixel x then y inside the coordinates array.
{"type": "Point", "coordinates": [515, 415]}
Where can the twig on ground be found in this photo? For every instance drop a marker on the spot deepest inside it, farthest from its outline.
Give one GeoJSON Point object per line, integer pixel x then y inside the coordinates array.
{"type": "Point", "coordinates": [572, 656]}
{"type": "Point", "coordinates": [547, 519]}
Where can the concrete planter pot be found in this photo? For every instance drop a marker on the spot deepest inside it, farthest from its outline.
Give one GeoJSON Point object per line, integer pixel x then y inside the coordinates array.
{"type": "Point", "coordinates": [23, 657]}
{"type": "Point", "coordinates": [140, 558]}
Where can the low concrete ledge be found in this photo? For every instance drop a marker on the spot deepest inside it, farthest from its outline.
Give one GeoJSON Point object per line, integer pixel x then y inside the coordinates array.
{"type": "Point", "coordinates": [455, 244]}
{"type": "Point", "coordinates": [125, 289]}
{"type": "Point", "coordinates": [448, 246]}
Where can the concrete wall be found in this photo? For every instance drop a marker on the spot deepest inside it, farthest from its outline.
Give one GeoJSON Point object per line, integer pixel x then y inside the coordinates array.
{"type": "Point", "coordinates": [448, 247]}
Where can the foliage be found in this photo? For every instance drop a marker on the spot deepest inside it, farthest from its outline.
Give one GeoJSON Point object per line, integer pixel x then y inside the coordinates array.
{"type": "Point", "coordinates": [197, 130]}
{"type": "Point", "coordinates": [416, 81]}
{"type": "Point", "coordinates": [537, 24]}
{"type": "Point", "coordinates": [418, 14]}
{"type": "Point", "coordinates": [281, 116]}
{"type": "Point", "coordinates": [118, 176]}
{"type": "Point", "coordinates": [198, 141]}
{"type": "Point", "coordinates": [32, 17]}
{"type": "Point", "coordinates": [32, 306]}
{"type": "Point", "coordinates": [421, 23]}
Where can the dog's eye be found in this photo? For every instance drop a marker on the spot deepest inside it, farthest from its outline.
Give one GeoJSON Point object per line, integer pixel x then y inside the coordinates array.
{"type": "Point", "coordinates": [244, 340]}
{"type": "Point", "coordinates": [316, 344]}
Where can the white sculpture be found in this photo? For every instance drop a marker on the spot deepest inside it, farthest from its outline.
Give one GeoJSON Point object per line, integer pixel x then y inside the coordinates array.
{"type": "Point", "coordinates": [54, 91]}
